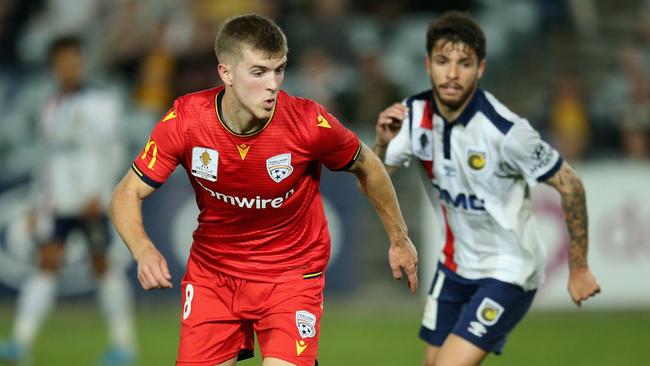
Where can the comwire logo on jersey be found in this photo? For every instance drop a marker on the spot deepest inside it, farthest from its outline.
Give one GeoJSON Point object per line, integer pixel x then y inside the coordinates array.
{"type": "Point", "coordinates": [245, 202]}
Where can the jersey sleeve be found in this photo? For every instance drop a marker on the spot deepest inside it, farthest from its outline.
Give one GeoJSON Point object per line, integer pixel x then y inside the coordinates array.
{"type": "Point", "coordinates": [162, 151]}
{"type": "Point", "coordinates": [399, 150]}
{"type": "Point", "coordinates": [332, 144]}
{"type": "Point", "coordinates": [527, 154]}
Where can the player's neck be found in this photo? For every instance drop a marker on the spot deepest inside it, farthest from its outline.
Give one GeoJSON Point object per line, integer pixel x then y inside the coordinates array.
{"type": "Point", "coordinates": [236, 117]}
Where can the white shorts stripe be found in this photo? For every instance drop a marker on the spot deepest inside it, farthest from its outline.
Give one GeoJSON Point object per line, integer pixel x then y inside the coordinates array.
{"type": "Point", "coordinates": [431, 309]}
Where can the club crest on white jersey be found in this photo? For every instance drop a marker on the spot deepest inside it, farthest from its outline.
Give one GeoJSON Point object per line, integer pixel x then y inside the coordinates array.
{"type": "Point", "coordinates": [279, 167]}
{"type": "Point", "coordinates": [205, 163]}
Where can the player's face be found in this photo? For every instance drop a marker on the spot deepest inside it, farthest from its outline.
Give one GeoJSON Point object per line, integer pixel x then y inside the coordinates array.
{"type": "Point", "coordinates": [68, 67]}
{"type": "Point", "coordinates": [256, 81]}
{"type": "Point", "coordinates": [455, 71]}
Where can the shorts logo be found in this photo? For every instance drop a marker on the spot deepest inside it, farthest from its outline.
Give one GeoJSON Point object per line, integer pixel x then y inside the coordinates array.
{"type": "Point", "coordinates": [476, 159]}
{"type": "Point", "coordinates": [489, 312]}
{"type": "Point", "coordinates": [279, 167]}
{"type": "Point", "coordinates": [204, 163]}
{"type": "Point", "coordinates": [477, 329]}
{"type": "Point", "coordinates": [300, 347]}
{"type": "Point", "coordinates": [306, 323]}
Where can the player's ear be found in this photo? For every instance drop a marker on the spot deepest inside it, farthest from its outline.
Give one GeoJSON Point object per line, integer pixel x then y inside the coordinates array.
{"type": "Point", "coordinates": [481, 68]}
{"type": "Point", "coordinates": [225, 74]}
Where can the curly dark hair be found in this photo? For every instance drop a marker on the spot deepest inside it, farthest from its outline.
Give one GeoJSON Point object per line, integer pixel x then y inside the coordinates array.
{"type": "Point", "coordinates": [457, 27]}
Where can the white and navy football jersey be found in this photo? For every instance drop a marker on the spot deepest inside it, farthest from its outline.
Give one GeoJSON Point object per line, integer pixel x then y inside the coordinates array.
{"type": "Point", "coordinates": [80, 137]}
{"type": "Point", "coordinates": [480, 168]}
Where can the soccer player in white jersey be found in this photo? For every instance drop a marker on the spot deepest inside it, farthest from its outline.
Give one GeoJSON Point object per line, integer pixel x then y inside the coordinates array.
{"type": "Point", "coordinates": [78, 131]}
{"type": "Point", "coordinates": [481, 160]}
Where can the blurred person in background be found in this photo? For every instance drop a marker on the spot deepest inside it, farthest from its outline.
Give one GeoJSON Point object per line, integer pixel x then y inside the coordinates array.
{"type": "Point", "coordinates": [79, 136]}
{"type": "Point", "coordinates": [253, 155]}
{"type": "Point", "coordinates": [481, 160]}
{"type": "Point", "coordinates": [569, 122]}
{"type": "Point", "coordinates": [635, 62]}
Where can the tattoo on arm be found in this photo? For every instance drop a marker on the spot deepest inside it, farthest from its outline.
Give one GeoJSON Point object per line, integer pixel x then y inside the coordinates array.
{"type": "Point", "coordinates": [574, 205]}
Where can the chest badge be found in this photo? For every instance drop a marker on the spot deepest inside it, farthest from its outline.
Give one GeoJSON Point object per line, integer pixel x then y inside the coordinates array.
{"type": "Point", "coordinates": [279, 167]}
{"type": "Point", "coordinates": [476, 160]}
{"type": "Point", "coordinates": [205, 163]}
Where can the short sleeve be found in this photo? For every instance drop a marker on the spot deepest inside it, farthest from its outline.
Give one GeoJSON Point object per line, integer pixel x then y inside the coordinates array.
{"type": "Point", "coordinates": [525, 152]}
{"type": "Point", "coordinates": [399, 150]}
{"type": "Point", "coordinates": [162, 151]}
{"type": "Point", "coordinates": [331, 143]}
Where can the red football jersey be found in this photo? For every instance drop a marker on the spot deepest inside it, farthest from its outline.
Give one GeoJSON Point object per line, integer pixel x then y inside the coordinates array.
{"type": "Point", "coordinates": [261, 216]}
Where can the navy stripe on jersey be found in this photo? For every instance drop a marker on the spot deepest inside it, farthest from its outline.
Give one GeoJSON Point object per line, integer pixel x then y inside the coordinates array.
{"type": "Point", "coordinates": [552, 171]}
{"type": "Point", "coordinates": [464, 118]}
{"type": "Point", "coordinates": [478, 103]}
{"type": "Point", "coordinates": [488, 110]}
{"type": "Point", "coordinates": [144, 178]}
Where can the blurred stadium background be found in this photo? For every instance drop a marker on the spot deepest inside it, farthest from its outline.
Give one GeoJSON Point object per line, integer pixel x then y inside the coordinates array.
{"type": "Point", "coordinates": [579, 70]}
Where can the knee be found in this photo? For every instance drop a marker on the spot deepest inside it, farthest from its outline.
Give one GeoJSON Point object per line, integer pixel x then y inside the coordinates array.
{"type": "Point", "coordinates": [50, 257]}
{"type": "Point", "coordinates": [99, 264]}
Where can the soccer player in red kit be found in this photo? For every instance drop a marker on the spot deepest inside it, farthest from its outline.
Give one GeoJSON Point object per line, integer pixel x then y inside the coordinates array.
{"type": "Point", "coordinates": [253, 155]}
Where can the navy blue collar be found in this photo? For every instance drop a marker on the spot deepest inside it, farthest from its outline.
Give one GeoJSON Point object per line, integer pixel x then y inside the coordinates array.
{"type": "Point", "coordinates": [470, 109]}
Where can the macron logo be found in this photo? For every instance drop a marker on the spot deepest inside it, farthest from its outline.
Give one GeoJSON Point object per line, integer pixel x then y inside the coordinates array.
{"type": "Point", "coordinates": [252, 203]}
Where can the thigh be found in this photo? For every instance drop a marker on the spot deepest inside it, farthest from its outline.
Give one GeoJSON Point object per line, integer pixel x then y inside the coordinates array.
{"type": "Point", "coordinates": [457, 351]}
{"type": "Point", "coordinates": [97, 232]}
{"type": "Point", "coordinates": [445, 301]}
{"type": "Point", "coordinates": [210, 333]}
{"type": "Point", "coordinates": [494, 310]}
{"type": "Point", "coordinates": [290, 329]}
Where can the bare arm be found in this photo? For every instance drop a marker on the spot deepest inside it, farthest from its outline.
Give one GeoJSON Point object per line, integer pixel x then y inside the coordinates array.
{"type": "Point", "coordinates": [388, 125]}
{"type": "Point", "coordinates": [126, 214]}
{"type": "Point", "coordinates": [376, 184]}
{"type": "Point", "coordinates": [582, 284]}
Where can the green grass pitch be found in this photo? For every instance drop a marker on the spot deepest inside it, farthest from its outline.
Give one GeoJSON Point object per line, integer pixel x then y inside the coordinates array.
{"type": "Point", "coordinates": [355, 335]}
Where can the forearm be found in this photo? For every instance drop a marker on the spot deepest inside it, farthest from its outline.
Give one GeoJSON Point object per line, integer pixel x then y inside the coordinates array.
{"type": "Point", "coordinates": [380, 150]}
{"type": "Point", "coordinates": [377, 186]}
{"type": "Point", "coordinates": [126, 215]}
{"type": "Point", "coordinates": [574, 204]}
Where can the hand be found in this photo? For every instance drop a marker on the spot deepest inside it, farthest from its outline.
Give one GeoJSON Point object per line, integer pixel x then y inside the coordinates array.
{"type": "Point", "coordinates": [582, 285]}
{"type": "Point", "coordinates": [389, 123]}
{"type": "Point", "coordinates": [404, 257]}
{"type": "Point", "coordinates": [152, 269]}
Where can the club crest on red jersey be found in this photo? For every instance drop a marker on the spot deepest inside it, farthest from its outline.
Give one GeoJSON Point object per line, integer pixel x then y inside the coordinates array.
{"type": "Point", "coordinates": [205, 163]}
{"type": "Point", "coordinates": [279, 167]}
{"type": "Point", "coordinates": [306, 323]}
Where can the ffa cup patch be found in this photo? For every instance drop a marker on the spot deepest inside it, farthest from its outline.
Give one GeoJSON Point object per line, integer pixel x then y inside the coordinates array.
{"type": "Point", "coordinates": [489, 311]}
{"type": "Point", "coordinates": [204, 163]}
{"type": "Point", "coordinates": [279, 167]}
{"type": "Point", "coordinates": [476, 159]}
{"type": "Point", "coordinates": [306, 323]}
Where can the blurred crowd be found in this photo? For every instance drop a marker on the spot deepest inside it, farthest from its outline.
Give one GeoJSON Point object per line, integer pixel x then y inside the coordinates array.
{"type": "Point", "coordinates": [577, 69]}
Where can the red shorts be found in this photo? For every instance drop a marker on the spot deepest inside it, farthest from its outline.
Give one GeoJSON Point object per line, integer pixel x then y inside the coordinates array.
{"type": "Point", "coordinates": [220, 314]}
